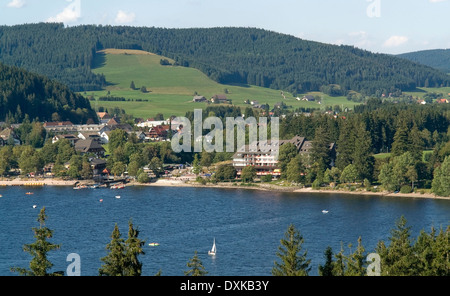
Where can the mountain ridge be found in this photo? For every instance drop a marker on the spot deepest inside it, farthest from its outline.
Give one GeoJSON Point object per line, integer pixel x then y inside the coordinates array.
{"type": "Point", "coordinates": [435, 58]}
{"type": "Point", "coordinates": [226, 55]}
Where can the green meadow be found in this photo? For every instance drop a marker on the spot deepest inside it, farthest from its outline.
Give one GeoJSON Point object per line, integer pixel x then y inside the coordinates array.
{"type": "Point", "coordinates": [170, 89]}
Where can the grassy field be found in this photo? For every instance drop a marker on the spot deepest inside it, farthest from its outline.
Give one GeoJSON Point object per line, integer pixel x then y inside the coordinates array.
{"type": "Point", "coordinates": [171, 89]}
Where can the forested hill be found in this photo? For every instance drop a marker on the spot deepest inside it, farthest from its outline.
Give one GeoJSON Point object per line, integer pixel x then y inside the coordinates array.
{"type": "Point", "coordinates": [436, 58]}
{"type": "Point", "coordinates": [27, 94]}
{"type": "Point", "coordinates": [227, 55]}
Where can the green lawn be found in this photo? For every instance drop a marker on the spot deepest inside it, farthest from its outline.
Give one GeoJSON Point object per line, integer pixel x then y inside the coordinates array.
{"type": "Point", "coordinates": [171, 88]}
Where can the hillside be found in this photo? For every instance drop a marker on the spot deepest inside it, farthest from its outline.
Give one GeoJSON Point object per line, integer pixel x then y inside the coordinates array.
{"type": "Point", "coordinates": [170, 89]}
{"type": "Point", "coordinates": [436, 58]}
{"type": "Point", "coordinates": [226, 55]}
{"type": "Point", "coordinates": [23, 93]}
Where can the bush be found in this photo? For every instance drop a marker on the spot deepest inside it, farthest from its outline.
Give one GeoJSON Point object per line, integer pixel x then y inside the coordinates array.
{"type": "Point", "coordinates": [316, 184]}
{"type": "Point", "coordinates": [143, 178]}
{"type": "Point", "coordinates": [405, 189]}
{"type": "Point", "coordinates": [267, 178]}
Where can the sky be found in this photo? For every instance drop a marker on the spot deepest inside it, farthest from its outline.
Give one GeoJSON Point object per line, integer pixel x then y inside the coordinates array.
{"type": "Point", "coordinates": [383, 26]}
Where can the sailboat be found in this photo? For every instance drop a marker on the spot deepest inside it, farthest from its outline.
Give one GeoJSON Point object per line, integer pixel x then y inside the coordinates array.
{"type": "Point", "coordinates": [213, 250]}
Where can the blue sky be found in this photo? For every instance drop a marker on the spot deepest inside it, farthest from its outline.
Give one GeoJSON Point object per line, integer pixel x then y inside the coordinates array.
{"type": "Point", "coordinates": [388, 26]}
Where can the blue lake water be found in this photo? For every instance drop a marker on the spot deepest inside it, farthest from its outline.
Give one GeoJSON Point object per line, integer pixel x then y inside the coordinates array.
{"type": "Point", "coordinates": [246, 224]}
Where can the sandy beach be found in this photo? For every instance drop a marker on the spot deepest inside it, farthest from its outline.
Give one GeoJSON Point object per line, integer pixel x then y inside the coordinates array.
{"type": "Point", "coordinates": [36, 182]}
{"type": "Point", "coordinates": [191, 183]}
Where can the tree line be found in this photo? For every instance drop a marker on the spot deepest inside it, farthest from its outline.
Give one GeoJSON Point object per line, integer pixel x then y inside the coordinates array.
{"type": "Point", "coordinates": [24, 94]}
{"type": "Point", "coordinates": [227, 55]}
{"type": "Point", "coordinates": [428, 255]}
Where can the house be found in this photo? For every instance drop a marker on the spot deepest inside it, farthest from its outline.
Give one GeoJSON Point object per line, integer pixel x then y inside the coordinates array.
{"type": "Point", "coordinates": [89, 136]}
{"type": "Point", "coordinates": [199, 99]}
{"type": "Point", "coordinates": [103, 117]}
{"type": "Point", "coordinates": [123, 126]}
{"type": "Point", "coordinates": [266, 162]}
{"type": "Point", "coordinates": [9, 137]}
{"type": "Point", "coordinates": [158, 133]}
{"type": "Point", "coordinates": [90, 146]}
{"type": "Point", "coordinates": [59, 123]}
{"type": "Point", "coordinates": [69, 137]}
{"type": "Point", "coordinates": [104, 137]}
{"type": "Point", "coordinates": [66, 127]}
{"type": "Point", "coordinates": [140, 135]}
{"type": "Point", "coordinates": [220, 99]}
{"type": "Point", "coordinates": [151, 123]}
{"type": "Point", "coordinates": [308, 98]}
{"type": "Point", "coordinates": [98, 166]}
{"type": "Point", "coordinates": [113, 121]}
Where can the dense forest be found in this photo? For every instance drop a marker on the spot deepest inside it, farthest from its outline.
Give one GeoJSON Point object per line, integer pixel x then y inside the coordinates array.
{"type": "Point", "coordinates": [227, 55]}
{"type": "Point", "coordinates": [27, 95]}
{"type": "Point", "coordinates": [436, 58]}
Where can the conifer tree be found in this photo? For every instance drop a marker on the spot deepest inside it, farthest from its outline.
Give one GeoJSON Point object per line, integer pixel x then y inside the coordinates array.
{"type": "Point", "coordinates": [122, 259]}
{"type": "Point", "coordinates": [196, 267]}
{"type": "Point", "coordinates": [320, 151]}
{"type": "Point", "coordinates": [398, 258]}
{"type": "Point", "coordinates": [362, 155]}
{"type": "Point", "coordinates": [327, 268]}
{"type": "Point", "coordinates": [355, 261]}
{"type": "Point", "coordinates": [401, 139]}
{"type": "Point", "coordinates": [39, 265]}
{"type": "Point", "coordinates": [133, 248]}
{"type": "Point", "coordinates": [292, 262]}
{"type": "Point", "coordinates": [115, 260]}
{"type": "Point", "coordinates": [441, 180]}
{"type": "Point", "coordinates": [345, 145]}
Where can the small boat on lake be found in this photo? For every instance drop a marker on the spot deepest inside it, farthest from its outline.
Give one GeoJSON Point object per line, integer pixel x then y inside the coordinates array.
{"type": "Point", "coordinates": [118, 186]}
{"type": "Point", "coordinates": [29, 193]}
{"type": "Point", "coordinates": [213, 250]}
{"type": "Point", "coordinates": [325, 212]}
{"type": "Point", "coordinates": [153, 244]}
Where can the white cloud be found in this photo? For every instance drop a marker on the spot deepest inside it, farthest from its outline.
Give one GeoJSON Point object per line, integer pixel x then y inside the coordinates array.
{"type": "Point", "coordinates": [124, 17]}
{"type": "Point", "coordinates": [395, 41]}
{"type": "Point", "coordinates": [70, 14]}
{"type": "Point", "coordinates": [16, 3]}
{"type": "Point", "coordinates": [436, 1]}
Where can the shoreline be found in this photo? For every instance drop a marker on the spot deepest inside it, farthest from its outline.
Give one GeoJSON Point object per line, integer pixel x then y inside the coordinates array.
{"type": "Point", "coordinates": [267, 187]}
{"type": "Point", "coordinates": [181, 183]}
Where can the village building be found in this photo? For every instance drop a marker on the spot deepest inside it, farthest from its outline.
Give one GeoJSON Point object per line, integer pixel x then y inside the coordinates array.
{"type": "Point", "coordinates": [89, 136]}
{"type": "Point", "coordinates": [90, 146]}
{"type": "Point", "coordinates": [220, 99]}
{"type": "Point", "coordinates": [103, 117]}
{"type": "Point", "coordinates": [158, 133]}
{"type": "Point", "coordinates": [70, 137]}
{"type": "Point", "coordinates": [266, 162]}
{"type": "Point", "coordinates": [199, 99]}
{"type": "Point", "coordinates": [8, 137]}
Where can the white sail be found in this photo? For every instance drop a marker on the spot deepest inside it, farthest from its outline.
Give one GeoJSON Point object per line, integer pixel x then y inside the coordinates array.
{"type": "Point", "coordinates": [213, 249]}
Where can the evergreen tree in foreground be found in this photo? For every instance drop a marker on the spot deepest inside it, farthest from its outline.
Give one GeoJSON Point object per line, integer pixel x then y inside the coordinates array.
{"type": "Point", "coordinates": [292, 262]}
{"type": "Point", "coordinates": [196, 267]}
{"type": "Point", "coordinates": [40, 264]}
{"type": "Point", "coordinates": [122, 259]}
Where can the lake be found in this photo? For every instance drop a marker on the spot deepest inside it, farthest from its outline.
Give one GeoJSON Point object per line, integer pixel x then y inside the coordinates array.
{"type": "Point", "coordinates": [247, 225]}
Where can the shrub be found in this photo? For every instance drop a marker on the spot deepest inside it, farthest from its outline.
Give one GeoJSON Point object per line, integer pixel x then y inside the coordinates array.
{"type": "Point", "coordinates": [405, 189]}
